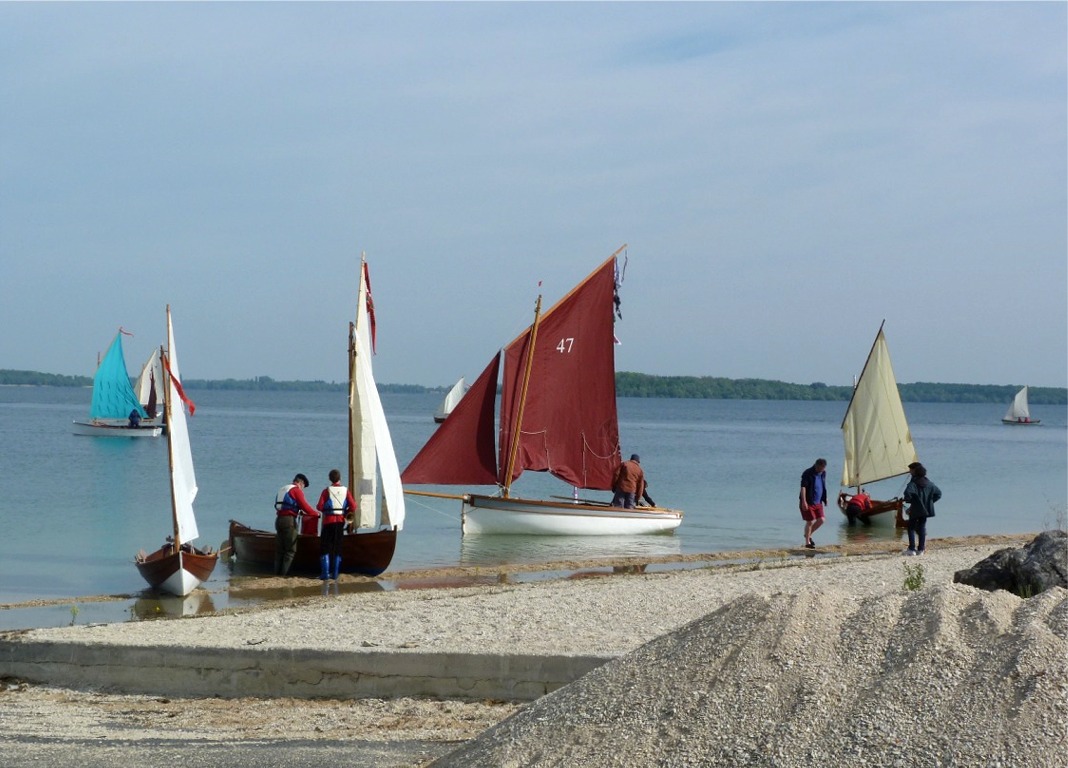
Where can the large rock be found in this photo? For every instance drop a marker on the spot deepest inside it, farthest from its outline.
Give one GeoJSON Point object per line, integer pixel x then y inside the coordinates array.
{"type": "Point", "coordinates": [1025, 571]}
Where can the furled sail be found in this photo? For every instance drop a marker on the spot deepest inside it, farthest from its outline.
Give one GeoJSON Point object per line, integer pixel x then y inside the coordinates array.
{"type": "Point", "coordinates": [878, 443]}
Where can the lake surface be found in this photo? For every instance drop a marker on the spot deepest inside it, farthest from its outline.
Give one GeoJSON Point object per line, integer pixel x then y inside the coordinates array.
{"type": "Point", "coordinates": [77, 509]}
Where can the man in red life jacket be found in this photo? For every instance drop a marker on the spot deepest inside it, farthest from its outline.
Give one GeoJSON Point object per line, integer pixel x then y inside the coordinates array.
{"type": "Point", "coordinates": [858, 505]}
{"type": "Point", "coordinates": [289, 503]}
{"type": "Point", "coordinates": [334, 502]}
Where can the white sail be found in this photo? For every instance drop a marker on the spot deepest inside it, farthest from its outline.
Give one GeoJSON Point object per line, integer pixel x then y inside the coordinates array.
{"type": "Point", "coordinates": [183, 478]}
{"type": "Point", "coordinates": [392, 490]}
{"type": "Point", "coordinates": [151, 376]}
{"type": "Point", "coordinates": [372, 445]}
{"type": "Point", "coordinates": [452, 397]}
{"type": "Point", "coordinates": [878, 443]}
{"type": "Point", "coordinates": [1019, 410]}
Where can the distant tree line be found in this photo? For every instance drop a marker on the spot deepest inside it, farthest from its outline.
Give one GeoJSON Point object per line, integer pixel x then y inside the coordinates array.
{"type": "Point", "coordinates": [627, 385]}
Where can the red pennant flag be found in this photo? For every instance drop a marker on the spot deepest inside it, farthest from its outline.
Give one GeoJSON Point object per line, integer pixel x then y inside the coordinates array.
{"type": "Point", "coordinates": [178, 386]}
{"type": "Point", "coordinates": [370, 305]}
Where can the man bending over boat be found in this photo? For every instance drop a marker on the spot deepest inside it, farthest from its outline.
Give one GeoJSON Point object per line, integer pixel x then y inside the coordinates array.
{"type": "Point", "coordinates": [629, 484]}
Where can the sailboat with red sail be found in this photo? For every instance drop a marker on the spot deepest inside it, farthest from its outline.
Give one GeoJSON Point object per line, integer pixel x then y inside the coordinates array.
{"type": "Point", "coordinates": [557, 414]}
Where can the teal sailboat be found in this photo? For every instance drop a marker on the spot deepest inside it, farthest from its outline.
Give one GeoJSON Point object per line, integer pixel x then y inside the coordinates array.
{"type": "Point", "coordinates": [114, 401]}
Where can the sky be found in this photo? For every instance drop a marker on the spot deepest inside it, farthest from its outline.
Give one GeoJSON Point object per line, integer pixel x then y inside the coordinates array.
{"type": "Point", "coordinates": [785, 176]}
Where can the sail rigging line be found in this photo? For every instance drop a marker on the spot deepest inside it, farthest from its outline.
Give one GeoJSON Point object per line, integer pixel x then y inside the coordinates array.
{"type": "Point", "coordinates": [517, 429]}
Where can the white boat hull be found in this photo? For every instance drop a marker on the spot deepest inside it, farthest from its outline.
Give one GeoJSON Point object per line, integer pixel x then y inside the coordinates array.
{"type": "Point", "coordinates": [492, 515]}
{"type": "Point", "coordinates": [108, 429]}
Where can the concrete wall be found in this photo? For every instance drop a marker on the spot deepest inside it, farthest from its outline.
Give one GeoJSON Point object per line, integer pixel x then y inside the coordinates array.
{"type": "Point", "coordinates": [300, 673]}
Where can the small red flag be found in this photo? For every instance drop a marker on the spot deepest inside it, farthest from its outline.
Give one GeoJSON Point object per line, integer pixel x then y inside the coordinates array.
{"type": "Point", "coordinates": [178, 386]}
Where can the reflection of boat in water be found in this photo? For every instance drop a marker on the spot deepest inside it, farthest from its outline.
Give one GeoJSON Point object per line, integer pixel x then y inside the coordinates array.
{"type": "Point", "coordinates": [368, 544]}
{"type": "Point", "coordinates": [114, 400]}
{"type": "Point", "coordinates": [557, 414]}
{"type": "Point", "coordinates": [164, 606]}
{"type": "Point", "coordinates": [531, 550]}
{"type": "Point", "coordinates": [878, 443]}
{"type": "Point", "coordinates": [1019, 412]}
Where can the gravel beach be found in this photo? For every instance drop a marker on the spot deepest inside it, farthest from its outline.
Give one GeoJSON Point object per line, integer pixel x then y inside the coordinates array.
{"type": "Point", "coordinates": [771, 659]}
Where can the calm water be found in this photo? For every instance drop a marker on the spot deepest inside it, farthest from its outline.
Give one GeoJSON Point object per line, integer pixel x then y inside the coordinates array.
{"type": "Point", "coordinates": [76, 509]}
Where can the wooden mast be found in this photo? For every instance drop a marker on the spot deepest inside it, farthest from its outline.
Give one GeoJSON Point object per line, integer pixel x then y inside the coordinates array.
{"type": "Point", "coordinates": [516, 429]}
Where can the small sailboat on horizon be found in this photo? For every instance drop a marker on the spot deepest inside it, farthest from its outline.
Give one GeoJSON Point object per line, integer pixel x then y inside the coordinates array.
{"type": "Point", "coordinates": [451, 400]}
{"type": "Point", "coordinates": [114, 400]}
{"type": "Point", "coordinates": [1019, 411]}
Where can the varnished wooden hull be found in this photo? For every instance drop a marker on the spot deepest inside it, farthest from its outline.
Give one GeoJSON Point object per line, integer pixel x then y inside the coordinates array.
{"type": "Point", "coordinates": [177, 573]}
{"type": "Point", "coordinates": [367, 554]}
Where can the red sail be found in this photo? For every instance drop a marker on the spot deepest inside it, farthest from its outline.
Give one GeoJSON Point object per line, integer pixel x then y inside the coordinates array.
{"type": "Point", "coordinates": [461, 451]}
{"type": "Point", "coordinates": [569, 423]}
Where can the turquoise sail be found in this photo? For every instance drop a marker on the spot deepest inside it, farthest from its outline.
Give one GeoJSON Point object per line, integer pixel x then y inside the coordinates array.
{"type": "Point", "coordinates": [113, 395]}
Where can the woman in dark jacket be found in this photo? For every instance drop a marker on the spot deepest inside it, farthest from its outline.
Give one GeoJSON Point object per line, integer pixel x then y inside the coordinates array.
{"type": "Point", "coordinates": [921, 495]}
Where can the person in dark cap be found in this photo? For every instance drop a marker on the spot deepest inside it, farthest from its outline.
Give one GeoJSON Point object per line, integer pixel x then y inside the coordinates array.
{"type": "Point", "coordinates": [289, 504]}
{"type": "Point", "coordinates": [921, 495]}
{"type": "Point", "coordinates": [629, 484]}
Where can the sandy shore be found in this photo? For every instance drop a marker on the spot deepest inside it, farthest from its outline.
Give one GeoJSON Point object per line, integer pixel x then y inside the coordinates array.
{"type": "Point", "coordinates": [765, 597]}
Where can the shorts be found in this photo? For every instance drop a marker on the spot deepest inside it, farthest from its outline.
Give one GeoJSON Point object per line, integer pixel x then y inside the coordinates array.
{"type": "Point", "coordinates": [815, 512]}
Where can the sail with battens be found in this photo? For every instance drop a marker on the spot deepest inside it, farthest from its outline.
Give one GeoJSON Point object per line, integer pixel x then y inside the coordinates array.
{"type": "Point", "coordinates": [878, 442]}
{"type": "Point", "coordinates": [876, 436]}
{"type": "Point", "coordinates": [557, 414]}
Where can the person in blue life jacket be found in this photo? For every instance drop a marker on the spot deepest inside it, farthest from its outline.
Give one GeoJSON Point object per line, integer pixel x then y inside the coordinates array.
{"type": "Point", "coordinates": [289, 503]}
{"type": "Point", "coordinates": [135, 419]}
{"type": "Point", "coordinates": [336, 503]}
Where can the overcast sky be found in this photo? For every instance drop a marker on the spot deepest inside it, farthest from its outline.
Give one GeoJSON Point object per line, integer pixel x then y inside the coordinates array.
{"type": "Point", "coordinates": [786, 175]}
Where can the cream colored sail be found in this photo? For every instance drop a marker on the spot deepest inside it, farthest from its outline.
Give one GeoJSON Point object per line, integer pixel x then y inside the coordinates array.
{"type": "Point", "coordinates": [878, 443]}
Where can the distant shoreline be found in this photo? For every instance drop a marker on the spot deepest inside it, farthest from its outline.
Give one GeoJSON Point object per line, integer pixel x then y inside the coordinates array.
{"type": "Point", "coordinates": [628, 384]}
